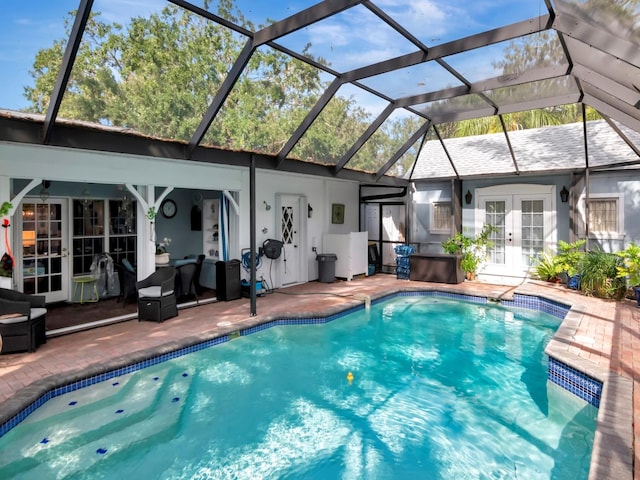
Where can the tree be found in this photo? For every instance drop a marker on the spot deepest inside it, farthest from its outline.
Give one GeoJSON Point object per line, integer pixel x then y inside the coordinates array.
{"type": "Point", "coordinates": [158, 75]}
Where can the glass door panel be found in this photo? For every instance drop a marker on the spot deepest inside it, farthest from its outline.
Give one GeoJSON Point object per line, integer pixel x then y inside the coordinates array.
{"type": "Point", "coordinates": [44, 249]}
{"type": "Point", "coordinates": [496, 215]}
{"type": "Point", "coordinates": [532, 230]}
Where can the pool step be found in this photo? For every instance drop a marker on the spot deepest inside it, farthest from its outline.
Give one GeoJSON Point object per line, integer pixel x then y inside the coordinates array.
{"type": "Point", "coordinates": [145, 407]}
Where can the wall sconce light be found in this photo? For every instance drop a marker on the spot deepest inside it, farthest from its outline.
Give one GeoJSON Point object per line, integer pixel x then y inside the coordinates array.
{"type": "Point", "coordinates": [44, 193]}
{"type": "Point", "coordinates": [468, 197]}
{"type": "Point", "coordinates": [309, 211]}
{"type": "Point", "coordinates": [564, 194]}
{"type": "Point", "coordinates": [267, 207]}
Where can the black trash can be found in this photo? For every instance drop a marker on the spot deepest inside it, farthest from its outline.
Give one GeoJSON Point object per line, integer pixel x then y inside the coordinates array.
{"type": "Point", "coordinates": [228, 280]}
{"type": "Point", "coordinates": [326, 267]}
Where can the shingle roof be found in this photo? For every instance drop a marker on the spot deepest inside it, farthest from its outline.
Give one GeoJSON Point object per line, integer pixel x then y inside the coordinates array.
{"type": "Point", "coordinates": [535, 150]}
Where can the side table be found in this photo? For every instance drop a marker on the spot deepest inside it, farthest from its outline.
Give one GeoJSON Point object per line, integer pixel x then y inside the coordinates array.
{"type": "Point", "coordinates": [79, 283]}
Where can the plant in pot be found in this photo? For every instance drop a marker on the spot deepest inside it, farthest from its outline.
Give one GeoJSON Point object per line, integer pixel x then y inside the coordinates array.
{"type": "Point", "coordinates": [630, 268]}
{"type": "Point", "coordinates": [162, 255]}
{"type": "Point", "coordinates": [473, 250]}
{"type": "Point", "coordinates": [568, 258]}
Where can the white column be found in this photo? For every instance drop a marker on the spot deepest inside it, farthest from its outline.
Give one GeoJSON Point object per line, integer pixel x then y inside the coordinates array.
{"type": "Point", "coordinates": [5, 196]}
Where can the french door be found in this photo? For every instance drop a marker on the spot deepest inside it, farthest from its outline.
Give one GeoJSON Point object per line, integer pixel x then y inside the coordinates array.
{"type": "Point", "coordinates": [44, 249]}
{"type": "Point", "coordinates": [525, 221]}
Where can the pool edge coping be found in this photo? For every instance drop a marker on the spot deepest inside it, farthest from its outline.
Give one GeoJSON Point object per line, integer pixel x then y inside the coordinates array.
{"type": "Point", "coordinates": [612, 452]}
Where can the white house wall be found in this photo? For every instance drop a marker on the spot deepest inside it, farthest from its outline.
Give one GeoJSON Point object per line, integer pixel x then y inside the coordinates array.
{"type": "Point", "coordinates": [625, 183]}
{"type": "Point", "coordinates": [320, 194]}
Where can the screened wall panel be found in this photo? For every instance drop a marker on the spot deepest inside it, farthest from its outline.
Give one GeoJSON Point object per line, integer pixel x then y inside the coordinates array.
{"type": "Point", "coordinates": [433, 161]}
{"type": "Point", "coordinates": [385, 142]}
{"type": "Point", "coordinates": [333, 133]}
{"type": "Point", "coordinates": [24, 34]}
{"type": "Point", "coordinates": [350, 39]}
{"type": "Point", "coordinates": [268, 102]}
{"type": "Point", "coordinates": [157, 74]}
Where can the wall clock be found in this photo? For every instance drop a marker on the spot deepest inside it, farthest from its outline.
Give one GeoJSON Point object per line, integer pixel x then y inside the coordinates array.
{"type": "Point", "coordinates": [168, 208]}
{"type": "Point", "coordinates": [337, 213]}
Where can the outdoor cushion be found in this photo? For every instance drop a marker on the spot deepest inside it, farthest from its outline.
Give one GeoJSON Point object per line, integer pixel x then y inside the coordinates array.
{"type": "Point", "coordinates": [18, 319]}
{"type": "Point", "coordinates": [127, 264]}
{"type": "Point", "coordinates": [185, 261]}
{"type": "Point", "coordinates": [38, 312]}
{"type": "Point", "coordinates": [6, 316]}
{"type": "Point", "coordinates": [154, 291]}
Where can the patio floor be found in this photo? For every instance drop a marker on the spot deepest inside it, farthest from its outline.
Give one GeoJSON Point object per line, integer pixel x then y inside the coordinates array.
{"type": "Point", "coordinates": [605, 335]}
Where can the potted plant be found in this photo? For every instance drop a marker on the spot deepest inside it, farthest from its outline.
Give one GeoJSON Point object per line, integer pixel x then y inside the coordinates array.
{"type": "Point", "coordinates": [162, 255]}
{"type": "Point", "coordinates": [473, 250]}
{"type": "Point", "coordinates": [568, 258]}
{"type": "Point", "coordinates": [630, 268]}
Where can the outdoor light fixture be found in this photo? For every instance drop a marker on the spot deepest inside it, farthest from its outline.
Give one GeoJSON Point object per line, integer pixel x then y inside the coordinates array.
{"type": "Point", "coordinates": [564, 194]}
{"type": "Point", "coordinates": [44, 193]}
{"type": "Point", "coordinates": [309, 211]}
{"type": "Point", "coordinates": [468, 197]}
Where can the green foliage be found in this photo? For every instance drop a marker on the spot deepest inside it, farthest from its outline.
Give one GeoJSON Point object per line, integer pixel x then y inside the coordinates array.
{"type": "Point", "coordinates": [630, 268]}
{"type": "Point", "coordinates": [473, 250]}
{"type": "Point", "coordinates": [545, 267]}
{"type": "Point", "coordinates": [159, 74]}
{"type": "Point", "coordinates": [4, 209]}
{"type": "Point", "coordinates": [599, 275]}
{"type": "Point", "coordinates": [568, 257]}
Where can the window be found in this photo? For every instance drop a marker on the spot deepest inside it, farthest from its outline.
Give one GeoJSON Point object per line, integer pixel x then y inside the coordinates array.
{"type": "Point", "coordinates": [98, 224]}
{"type": "Point", "coordinates": [440, 217]}
{"type": "Point", "coordinates": [606, 215]}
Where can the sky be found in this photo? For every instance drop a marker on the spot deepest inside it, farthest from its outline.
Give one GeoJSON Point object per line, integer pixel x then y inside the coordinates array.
{"type": "Point", "coordinates": [352, 39]}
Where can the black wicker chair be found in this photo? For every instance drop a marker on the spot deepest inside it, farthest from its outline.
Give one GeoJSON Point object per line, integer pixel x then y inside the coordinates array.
{"type": "Point", "coordinates": [156, 295]}
{"type": "Point", "coordinates": [127, 280]}
{"type": "Point", "coordinates": [22, 321]}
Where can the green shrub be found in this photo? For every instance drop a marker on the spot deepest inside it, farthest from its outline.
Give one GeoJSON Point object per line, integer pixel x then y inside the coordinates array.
{"type": "Point", "coordinates": [599, 275]}
{"type": "Point", "coordinates": [630, 268]}
{"type": "Point", "coordinates": [545, 267]}
{"type": "Point", "coordinates": [569, 256]}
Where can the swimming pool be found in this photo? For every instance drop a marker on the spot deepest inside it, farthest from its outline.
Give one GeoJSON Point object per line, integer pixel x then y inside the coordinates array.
{"type": "Point", "coordinates": [440, 389]}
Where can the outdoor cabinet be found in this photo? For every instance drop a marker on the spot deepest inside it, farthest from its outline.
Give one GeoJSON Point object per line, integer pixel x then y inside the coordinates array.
{"type": "Point", "coordinates": [435, 267]}
{"type": "Point", "coordinates": [351, 250]}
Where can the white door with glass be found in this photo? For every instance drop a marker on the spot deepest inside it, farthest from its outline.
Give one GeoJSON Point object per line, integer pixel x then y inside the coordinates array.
{"type": "Point", "coordinates": [525, 221]}
{"type": "Point", "coordinates": [44, 266]}
{"type": "Point", "coordinates": [290, 228]}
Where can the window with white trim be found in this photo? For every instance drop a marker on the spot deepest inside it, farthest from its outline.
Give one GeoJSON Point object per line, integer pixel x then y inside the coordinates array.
{"type": "Point", "coordinates": [606, 215]}
{"type": "Point", "coordinates": [440, 217]}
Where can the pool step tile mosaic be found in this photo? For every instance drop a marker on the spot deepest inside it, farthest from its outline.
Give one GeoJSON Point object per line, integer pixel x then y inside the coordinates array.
{"type": "Point", "coordinates": [576, 382]}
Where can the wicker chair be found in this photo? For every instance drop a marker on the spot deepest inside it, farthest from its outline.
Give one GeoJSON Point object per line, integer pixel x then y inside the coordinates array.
{"type": "Point", "coordinates": [22, 321]}
{"type": "Point", "coordinates": [156, 295]}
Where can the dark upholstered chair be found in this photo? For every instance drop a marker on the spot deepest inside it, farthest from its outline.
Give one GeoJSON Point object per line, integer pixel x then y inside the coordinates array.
{"type": "Point", "coordinates": [156, 295]}
{"type": "Point", "coordinates": [199, 260]}
{"type": "Point", "coordinates": [127, 280]}
{"type": "Point", "coordinates": [185, 286]}
{"type": "Point", "coordinates": [22, 321]}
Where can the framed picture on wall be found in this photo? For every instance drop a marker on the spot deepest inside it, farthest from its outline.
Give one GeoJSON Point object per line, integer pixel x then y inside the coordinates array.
{"type": "Point", "coordinates": [337, 213]}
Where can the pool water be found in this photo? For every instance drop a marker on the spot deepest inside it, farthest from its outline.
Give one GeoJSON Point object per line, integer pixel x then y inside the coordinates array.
{"type": "Point", "coordinates": [440, 389]}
